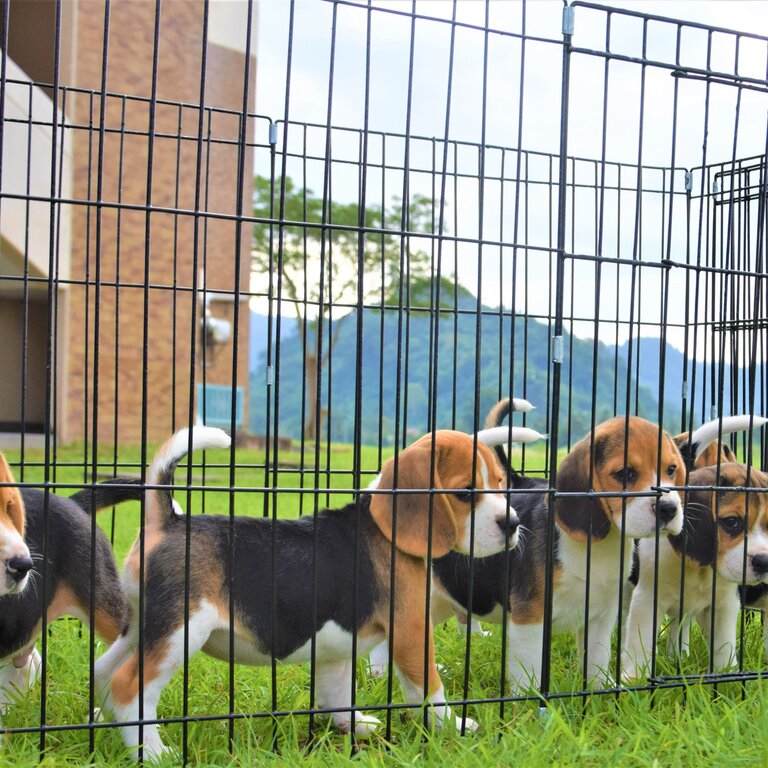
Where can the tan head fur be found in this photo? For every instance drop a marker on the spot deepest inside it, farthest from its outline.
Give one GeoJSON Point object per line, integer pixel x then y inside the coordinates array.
{"type": "Point", "coordinates": [612, 473]}
{"type": "Point", "coordinates": [716, 522]}
{"type": "Point", "coordinates": [451, 510]}
{"type": "Point", "coordinates": [12, 523]}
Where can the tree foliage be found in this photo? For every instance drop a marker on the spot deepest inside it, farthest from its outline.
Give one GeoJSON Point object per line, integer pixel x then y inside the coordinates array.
{"type": "Point", "coordinates": [336, 247]}
{"type": "Point", "coordinates": [323, 257]}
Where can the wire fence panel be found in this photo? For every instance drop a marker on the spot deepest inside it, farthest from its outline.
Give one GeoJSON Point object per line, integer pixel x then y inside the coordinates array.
{"type": "Point", "coordinates": [457, 218]}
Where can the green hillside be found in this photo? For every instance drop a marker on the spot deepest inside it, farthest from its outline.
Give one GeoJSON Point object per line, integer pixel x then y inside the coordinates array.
{"type": "Point", "coordinates": [442, 361]}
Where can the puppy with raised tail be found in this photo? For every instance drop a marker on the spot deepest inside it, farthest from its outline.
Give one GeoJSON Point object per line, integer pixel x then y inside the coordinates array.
{"type": "Point", "coordinates": [622, 458]}
{"type": "Point", "coordinates": [719, 514]}
{"type": "Point", "coordinates": [348, 550]}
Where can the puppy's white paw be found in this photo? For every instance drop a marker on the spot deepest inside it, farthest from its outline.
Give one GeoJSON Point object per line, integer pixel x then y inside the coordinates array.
{"type": "Point", "coordinates": [365, 725]}
{"type": "Point", "coordinates": [470, 726]}
{"type": "Point", "coordinates": [155, 750]}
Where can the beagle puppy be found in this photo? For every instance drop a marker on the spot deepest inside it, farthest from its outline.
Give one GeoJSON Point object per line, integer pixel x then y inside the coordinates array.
{"type": "Point", "coordinates": [719, 515]}
{"type": "Point", "coordinates": [622, 456]}
{"type": "Point", "coordinates": [67, 573]}
{"type": "Point", "coordinates": [330, 579]}
{"type": "Point", "coordinates": [497, 437]}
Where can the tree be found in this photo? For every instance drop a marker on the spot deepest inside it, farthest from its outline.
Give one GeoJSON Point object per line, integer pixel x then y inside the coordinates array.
{"type": "Point", "coordinates": [320, 250]}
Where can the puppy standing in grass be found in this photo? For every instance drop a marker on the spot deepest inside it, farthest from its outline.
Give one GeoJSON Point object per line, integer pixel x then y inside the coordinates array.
{"type": "Point", "coordinates": [718, 517]}
{"type": "Point", "coordinates": [512, 585]}
{"type": "Point", "coordinates": [352, 593]}
{"type": "Point", "coordinates": [67, 573]}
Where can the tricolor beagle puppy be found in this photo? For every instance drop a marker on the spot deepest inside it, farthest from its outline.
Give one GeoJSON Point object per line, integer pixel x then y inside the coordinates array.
{"type": "Point", "coordinates": [330, 579]}
{"type": "Point", "coordinates": [719, 514]}
{"type": "Point", "coordinates": [497, 437]}
{"type": "Point", "coordinates": [622, 456]}
{"type": "Point", "coordinates": [67, 573]}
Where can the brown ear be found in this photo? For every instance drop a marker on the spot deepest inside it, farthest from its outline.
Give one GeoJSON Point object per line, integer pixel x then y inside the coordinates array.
{"type": "Point", "coordinates": [11, 505]}
{"type": "Point", "coordinates": [411, 523]}
{"type": "Point", "coordinates": [699, 535]}
{"type": "Point", "coordinates": [580, 515]}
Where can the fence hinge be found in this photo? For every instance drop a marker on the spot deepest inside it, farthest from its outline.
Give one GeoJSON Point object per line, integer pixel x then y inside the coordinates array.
{"type": "Point", "coordinates": [688, 181]}
{"type": "Point", "coordinates": [557, 349]}
{"type": "Point", "coordinates": [684, 391]}
{"type": "Point", "coordinates": [273, 133]}
{"type": "Point", "coordinates": [568, 20]}
{"type": "Point", "coordinates": [270, 375]}
{"type": "Point", "coordinates": [715, 187]}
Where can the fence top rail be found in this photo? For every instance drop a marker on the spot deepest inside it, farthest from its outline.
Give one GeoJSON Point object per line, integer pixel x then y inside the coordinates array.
{"type": "Point", "coordinates": [614, 11]}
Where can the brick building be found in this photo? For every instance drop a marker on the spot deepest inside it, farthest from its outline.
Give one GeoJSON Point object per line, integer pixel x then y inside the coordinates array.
{"type": "Point", "coordinates": [115, 269]}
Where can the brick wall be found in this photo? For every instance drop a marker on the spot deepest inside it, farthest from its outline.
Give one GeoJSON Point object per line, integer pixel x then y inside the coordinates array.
{"type": "Point", "coordinates": [150, 253]}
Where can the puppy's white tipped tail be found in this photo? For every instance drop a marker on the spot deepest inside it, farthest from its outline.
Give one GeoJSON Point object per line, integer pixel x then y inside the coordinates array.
{"type": "Point", "coordinates": [503, 435]}
{"type": "Point", "coordinates": [159, 507]}
{"type": "Point", "coordinates": [175, 449]}
{"type": "Point", "coordinates": [504, 407]}
{"type": "Point", "coordinates": [707, 433]}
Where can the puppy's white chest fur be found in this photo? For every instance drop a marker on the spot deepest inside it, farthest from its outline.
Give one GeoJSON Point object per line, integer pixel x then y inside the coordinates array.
{"type": "Point", "coordinates": [601, 572]}
{"type": "Point", "coordinates": [697, 594]}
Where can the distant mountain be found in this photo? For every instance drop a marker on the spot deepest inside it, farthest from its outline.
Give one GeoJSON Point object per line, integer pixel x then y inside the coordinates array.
{"type": "Point", "coordinates": [472, 366]}
{"type": "Point", "coordinates": [703, 381]}
{"type": "Point", "coordinates": [258, 335]}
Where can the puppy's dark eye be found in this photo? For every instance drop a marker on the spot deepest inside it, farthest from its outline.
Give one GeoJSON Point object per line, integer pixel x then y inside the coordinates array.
{"type": "Point", "coordinates": [627, 474]}
{"type": "Point", "coordinates": [464, 494]}
{"type": "Point", "coordinates": [732, 525]}
{"type": "Point", "coordinates": [671, 469]}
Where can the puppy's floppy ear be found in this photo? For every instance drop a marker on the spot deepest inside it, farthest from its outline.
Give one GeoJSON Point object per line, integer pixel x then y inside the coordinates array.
{"type": "Point", "coordinates": [698, 535]}
{"type": "Point", "coordinates": [682, 462]}
{"type": "Point", "coordinates": [580, 515]}
{"type": "Point", "coordinates": [11, 504]}
{"type": "Point", "coordinates": [412, 522]}
{"type": "Point", "coordinates": [687, 451]}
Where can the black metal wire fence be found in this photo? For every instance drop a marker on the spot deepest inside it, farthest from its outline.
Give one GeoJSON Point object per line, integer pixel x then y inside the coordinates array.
{"type": "Point", "coordinates": [578, 220]}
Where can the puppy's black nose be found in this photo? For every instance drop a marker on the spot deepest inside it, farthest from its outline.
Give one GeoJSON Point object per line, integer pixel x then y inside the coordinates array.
{"type": "Point", "coordinates": [18, 567]}
{"type": "Point", "coordinates": [510, 523]}
{"type": "Point", "coordinates": [760, 564]}
{"type": "Point", "coordinates": [666, 509]}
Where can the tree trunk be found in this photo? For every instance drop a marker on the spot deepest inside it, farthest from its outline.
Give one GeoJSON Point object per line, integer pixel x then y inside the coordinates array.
{"type": "Point", "coordinates": [310, 368]}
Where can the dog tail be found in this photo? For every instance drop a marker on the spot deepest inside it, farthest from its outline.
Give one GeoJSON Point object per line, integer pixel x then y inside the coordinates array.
{"type": "Point", "coordinates": [108, 494]}
{"type": "Point", "coordinates": [495, 418]}
{"type": "Point", "coordinates": [498, 436]}
{"type": "Point", "coordinates": [707, 433]}
{"type": "Point", "coordinates": [504, 407]}
{"type": "Point", "coordinates": [159, 509]}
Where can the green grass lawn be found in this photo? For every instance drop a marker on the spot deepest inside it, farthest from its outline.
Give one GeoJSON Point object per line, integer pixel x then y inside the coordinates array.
{"type": "Point", "coordinates": [727, 726]}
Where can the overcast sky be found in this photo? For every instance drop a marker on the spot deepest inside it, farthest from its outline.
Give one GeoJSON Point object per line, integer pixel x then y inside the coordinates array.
{"type": "Point", "coordinates": [486, 110]}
